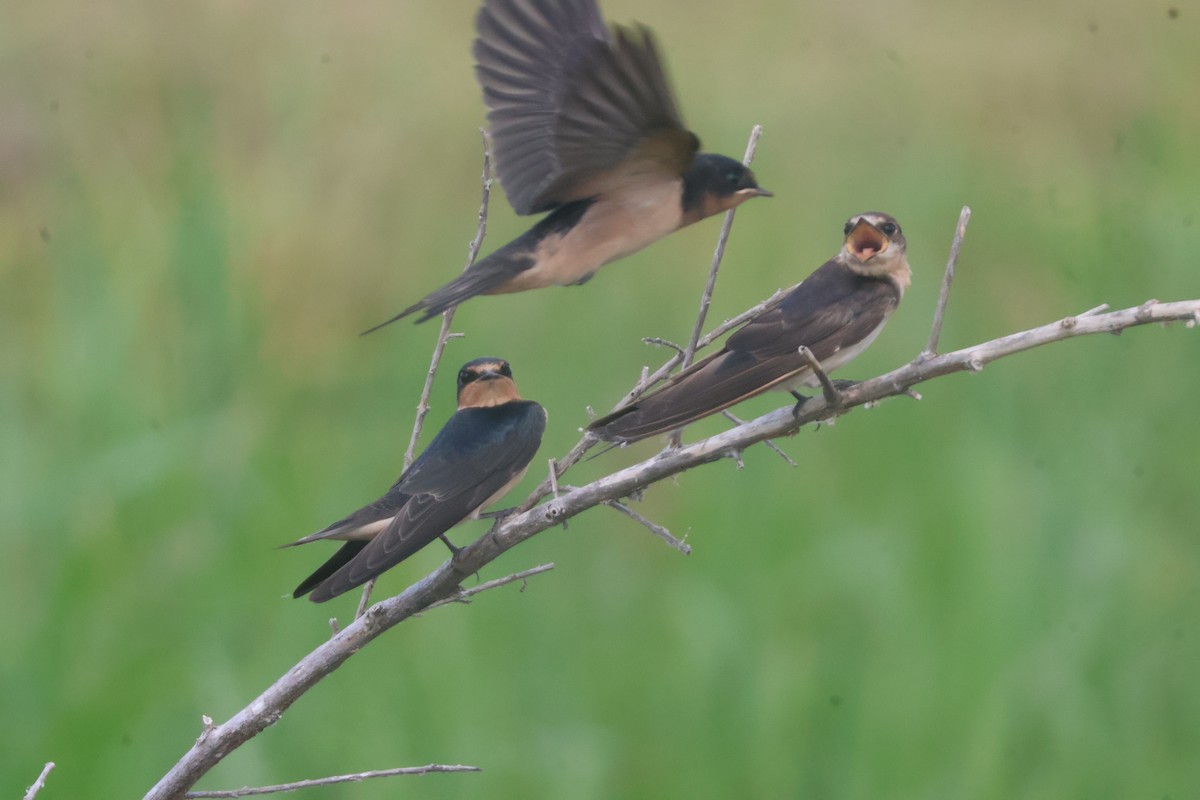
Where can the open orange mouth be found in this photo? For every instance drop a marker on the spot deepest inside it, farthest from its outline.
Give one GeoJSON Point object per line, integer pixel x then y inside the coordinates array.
{"type": "Point", "coordinates": [866, 241]}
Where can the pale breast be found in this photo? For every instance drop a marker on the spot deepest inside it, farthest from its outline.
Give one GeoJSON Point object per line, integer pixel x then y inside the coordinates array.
{"type": "Point", "coordinates": [613, 227]}
{"type": "Point", "coordinates": [805, 377]}
{"type": "Point", "coordinates": [500, 493]}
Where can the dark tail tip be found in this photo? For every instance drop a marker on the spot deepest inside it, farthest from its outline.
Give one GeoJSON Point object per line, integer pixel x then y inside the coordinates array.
{"type": "Point", "coordinates": [399, 317]}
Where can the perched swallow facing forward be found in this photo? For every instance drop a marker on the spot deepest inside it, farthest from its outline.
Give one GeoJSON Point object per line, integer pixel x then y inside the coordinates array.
{"type": "Point", "coordinates": [584, 126]}
{"type": "Point", "coordinates": [836, 312]}
{"type": "Point", "coordinates": [479, 455]}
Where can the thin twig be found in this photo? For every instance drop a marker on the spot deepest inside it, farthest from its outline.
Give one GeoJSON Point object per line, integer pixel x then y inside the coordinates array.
{"type": "Point", "coordinates": [770, 445]}
{"type": "Point", "coordinates": [358, 777]}
{"type": "Point", "coordinates": [718, 255]}
{"type": "Point", "coordinates": [710, 285]}
{"type": "Point", "coordinates": [444, 336]}
{"type": "Point", "coordinates": [464, 595]}
{"type": "Point", "coordinates": [653, 527]}
{"type": "Point", "coordinates": [939, 313]}
{"type": "Point", "coordinates": [365, 599]}
{"type": "Point", "coordinates": [553, 478]}
{"type": "Point", "coordinates": [649, 378]}
{"type": "Point", "coordinates": [40, 782]}
{"type": "Point", "coordinates": [657, 340]}
{"type": "Point", "coordinates": [833, 398]}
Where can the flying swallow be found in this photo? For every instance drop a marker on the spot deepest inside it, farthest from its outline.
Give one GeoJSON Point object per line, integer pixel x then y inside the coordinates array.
{"type": "Point", "coordinates": [584, 126]}
{"type": "Point", "coordinates": [836, 312]}
{"type": "Point", "coordinates": [481, 453]}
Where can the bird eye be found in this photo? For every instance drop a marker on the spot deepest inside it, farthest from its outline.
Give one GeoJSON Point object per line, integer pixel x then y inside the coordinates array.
{"type": "Point", "coordinates": [505, 370]}
{"type": "Point", "coordinates": [464, 376]}
{"type": "Point", "coordinates": [889, 228]}
{"type": "Point", "coordinates": [733, 177]}
{"type": "Point", "coordinates": [849, 227]}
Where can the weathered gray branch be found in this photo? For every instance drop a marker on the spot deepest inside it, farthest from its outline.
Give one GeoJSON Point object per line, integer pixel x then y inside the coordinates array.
{"type": "Point", "coordinates": [357, 777]}
{"type": "Point", "coordinates": [652, 526]}
{"type": "Point", "coordinates": [939, 313]}
{"type": "Point", "coordinates": [215, 743]}
{"type": "Point", "coordinates": [443, 584]}
{"type": "Point", "coordinates": [40, 783]}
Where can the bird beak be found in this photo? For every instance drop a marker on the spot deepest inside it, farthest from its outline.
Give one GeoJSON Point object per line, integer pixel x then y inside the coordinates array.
{"type": "Point", "coordinates": [866, 241]}
{"type": "Point", "coordinates": [489, 375]}
{"type": "Point", "coordinates": [755, 191]}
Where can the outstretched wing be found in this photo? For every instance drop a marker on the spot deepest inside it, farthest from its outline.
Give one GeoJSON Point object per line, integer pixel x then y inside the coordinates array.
{"type": "Point", "coordinates": [568, 103]}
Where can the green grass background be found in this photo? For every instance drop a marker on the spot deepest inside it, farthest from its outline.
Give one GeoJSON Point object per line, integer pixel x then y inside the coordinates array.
{"type": "Point", "coordinates": [992, 593]}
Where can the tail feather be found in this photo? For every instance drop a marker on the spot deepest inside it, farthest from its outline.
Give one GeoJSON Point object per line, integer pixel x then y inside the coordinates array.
{"type": "Point", "coordinates": [484, 277]}
{"type": "Point", "coordinates": [342, 557]}
{"type": "Point", "coordinates": [676, 404]}
{"type": "Point", "coordinates": [707, 387]}
{"type": "Point", "coordinates": [400, 316]}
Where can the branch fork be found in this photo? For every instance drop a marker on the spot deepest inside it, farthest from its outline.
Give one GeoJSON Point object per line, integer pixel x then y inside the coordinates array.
{"type": "Point", "coordinates": [533, 516]}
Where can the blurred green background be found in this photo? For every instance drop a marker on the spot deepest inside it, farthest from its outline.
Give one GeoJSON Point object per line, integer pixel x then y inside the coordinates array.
{"type": "Point", "coordinates": [993, 593]}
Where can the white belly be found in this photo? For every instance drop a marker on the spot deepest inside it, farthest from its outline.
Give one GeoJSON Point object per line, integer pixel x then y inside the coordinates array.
{"type": "Point", "coordinates": [610, 230]}
{"type": "Point", "coordinates": [806, 378]}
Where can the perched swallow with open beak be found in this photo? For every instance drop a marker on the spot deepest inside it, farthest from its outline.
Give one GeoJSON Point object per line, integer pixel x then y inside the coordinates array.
{"type": "Point", "coordinates": [836, 312]}
{"type": "Point", "coordinates": [481, 453]}
{"type": "Point", "coordinates": [584, 126]}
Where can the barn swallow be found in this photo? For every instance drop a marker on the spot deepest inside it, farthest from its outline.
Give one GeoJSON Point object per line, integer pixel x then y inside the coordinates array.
{"type": "Point", "coordinates": [481, 453]}
{"type": "Point", "coordinates": [836, 312]}
{"type": "Point", "coordinates": [584, 126]}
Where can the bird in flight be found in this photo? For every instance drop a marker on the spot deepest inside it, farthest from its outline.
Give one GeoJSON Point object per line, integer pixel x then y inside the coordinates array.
{"type": "Point", "coordinates": [584, 126]}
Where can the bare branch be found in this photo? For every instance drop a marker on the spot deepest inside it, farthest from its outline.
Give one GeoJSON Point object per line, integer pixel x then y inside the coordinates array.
{"type": "Point", "coordinates": [689, 352]}
{"type": "Point", "coordinates": [358, 777]}
{"type": "Point", "coordinates": [770, 445]}
{"type": "Point", "coordinates": [444, 336]}
{"type": "Point", "coordinates": [718, 255]}
{"type": "Point", "coordinates": [939, 313]}
{"type": "Point", "coordinates": [653, 527]}
{"type": "Point", "coordinates": [464, 595]}
{"type": "Point", "coordinates": [443, 583]}
{"type": "Point", "coordinates": [364, 600]}
{"type": "Point", "coordinates": [833, 398]}
{"type": "Point", "coordinates": [662, 343]}
{"type": "Point", "coordinates": [40, 782]}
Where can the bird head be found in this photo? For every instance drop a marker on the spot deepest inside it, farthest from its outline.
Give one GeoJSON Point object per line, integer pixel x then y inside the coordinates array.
{"type": "Point", "coordinates": [486, 382]}
{"type": "Point", "coordinates": [874, 244]}
{"type": "Point", "coordinates": [716, 183]}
